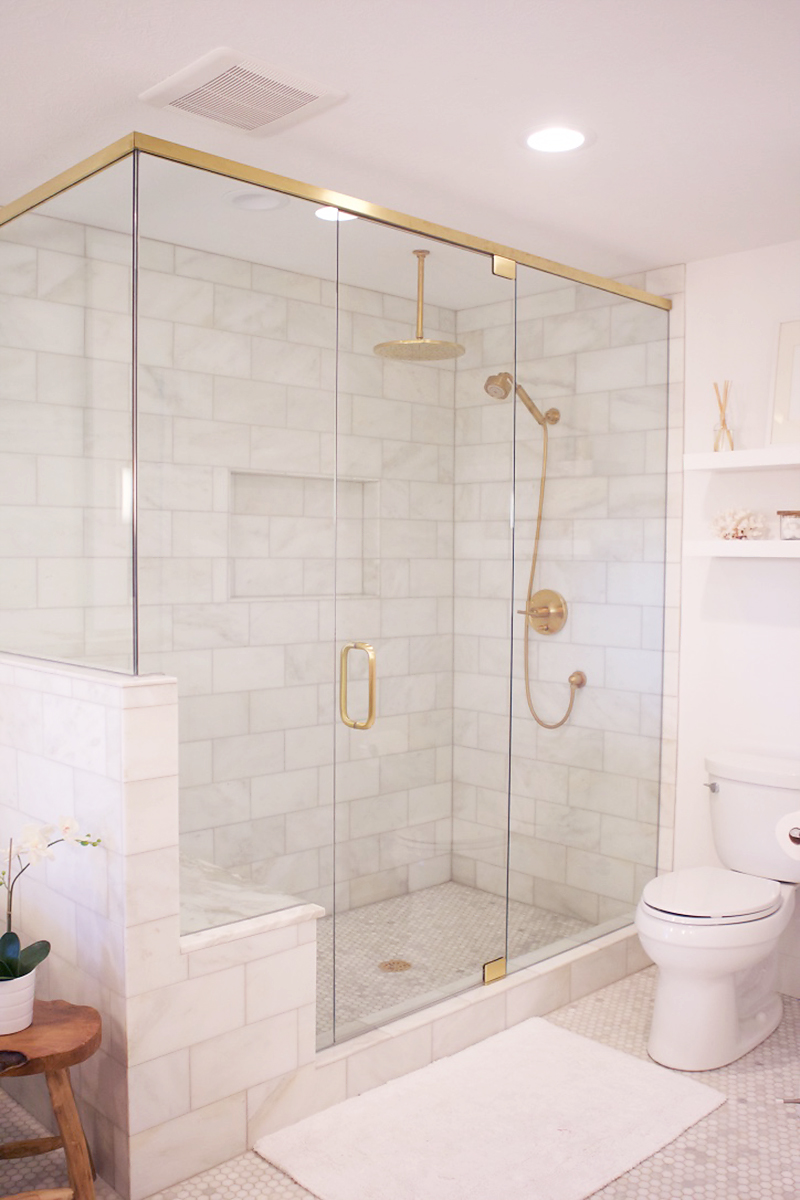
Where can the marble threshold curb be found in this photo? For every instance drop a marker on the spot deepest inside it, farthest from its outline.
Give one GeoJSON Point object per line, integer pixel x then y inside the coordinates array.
{"type": "Point", "coordinates": [407, 1044]}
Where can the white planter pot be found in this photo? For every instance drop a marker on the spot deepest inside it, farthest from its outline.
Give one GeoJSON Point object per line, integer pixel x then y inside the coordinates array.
{"type": "Point", "coordinates": [16, 1002]}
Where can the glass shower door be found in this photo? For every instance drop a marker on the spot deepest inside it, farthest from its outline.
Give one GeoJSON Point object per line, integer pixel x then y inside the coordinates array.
{"type": "Point", "coordinates": [413, 922]}
{"type": "Point", "coordinates": [585, 789]}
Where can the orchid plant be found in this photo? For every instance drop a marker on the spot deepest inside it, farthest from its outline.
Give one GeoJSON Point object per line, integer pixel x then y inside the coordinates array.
{"type": "Point", "coordinates": [36, 843]}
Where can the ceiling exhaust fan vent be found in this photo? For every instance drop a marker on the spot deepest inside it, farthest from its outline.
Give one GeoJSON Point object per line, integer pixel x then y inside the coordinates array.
{"type": "Point", "coordinates": [233, 90]}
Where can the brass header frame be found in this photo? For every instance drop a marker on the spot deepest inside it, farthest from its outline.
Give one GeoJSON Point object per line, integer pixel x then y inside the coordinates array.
{"type": "Point", "coordinates": [372, 212]}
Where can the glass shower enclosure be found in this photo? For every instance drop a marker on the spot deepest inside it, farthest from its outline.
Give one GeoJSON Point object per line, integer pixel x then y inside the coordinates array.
{"type": "Point", "coordinates": [244, 447]}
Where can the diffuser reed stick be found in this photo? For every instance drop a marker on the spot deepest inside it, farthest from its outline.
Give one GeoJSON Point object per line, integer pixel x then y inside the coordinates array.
{"type": "Point", "coordinates": [722, 433]}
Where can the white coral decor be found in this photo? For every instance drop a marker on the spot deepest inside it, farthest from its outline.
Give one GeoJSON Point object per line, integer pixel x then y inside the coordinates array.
{"type": "Point", "coordinates": [739, 523]}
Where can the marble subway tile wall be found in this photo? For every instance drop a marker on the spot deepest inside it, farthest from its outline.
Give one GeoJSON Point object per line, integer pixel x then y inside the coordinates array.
{"type": "Point", "coordinates": [195, 1028]}
{"type": "Point", "coordinates": [65, 442]}
{"type": "Point", "coordinates": [238, 563]}
{"type": "Point", "coordinates": [584, 798]}
{"type": "Point", "coordinates": [101, 748]}
{"type": "Point", "coordinates": [236, 456]}
{"type": "Point", "coordinates": [483, 605]}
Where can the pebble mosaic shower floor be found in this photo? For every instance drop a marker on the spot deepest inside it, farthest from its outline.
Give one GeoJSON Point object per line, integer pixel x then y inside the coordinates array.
{"type": "Point", "coordinates": [749, 1149]}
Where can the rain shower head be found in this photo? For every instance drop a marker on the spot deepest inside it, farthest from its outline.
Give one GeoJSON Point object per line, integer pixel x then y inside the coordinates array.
{"type": "Point", "coordinates": [499, 388]}
{"type": "Point", "coordinates": [419, 348]}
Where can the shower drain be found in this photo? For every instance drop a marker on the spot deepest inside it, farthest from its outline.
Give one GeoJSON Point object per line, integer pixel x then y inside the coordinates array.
{"type": "Point", "coordinates": [394, 964]}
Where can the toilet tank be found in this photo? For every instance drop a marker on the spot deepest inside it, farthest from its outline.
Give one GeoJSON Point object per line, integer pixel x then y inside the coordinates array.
{"type": "Point", "coordinates": [755, 813]}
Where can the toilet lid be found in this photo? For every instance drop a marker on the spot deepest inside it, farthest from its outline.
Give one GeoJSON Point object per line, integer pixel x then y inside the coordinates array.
{"type": "Point", "coordinates": [713, 894]}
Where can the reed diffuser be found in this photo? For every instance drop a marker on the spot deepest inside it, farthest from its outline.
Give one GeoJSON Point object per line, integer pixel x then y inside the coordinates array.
{"type": "Point", "coordinates": [723, 438]}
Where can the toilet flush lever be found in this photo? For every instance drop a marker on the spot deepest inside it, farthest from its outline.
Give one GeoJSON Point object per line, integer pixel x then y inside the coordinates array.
{"type": "Point", "coordinates": [794, 836]}
{"type": "Point", "coordinates": [712, 787]}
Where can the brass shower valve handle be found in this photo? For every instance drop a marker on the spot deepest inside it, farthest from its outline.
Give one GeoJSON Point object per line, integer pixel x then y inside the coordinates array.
{"type": "Point", "coordinates": [546, 611]}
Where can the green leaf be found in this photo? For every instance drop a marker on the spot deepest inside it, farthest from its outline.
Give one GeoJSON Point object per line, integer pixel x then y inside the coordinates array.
{"type": "Point", "coordinates": [5, 971]}
{"type": "Point", "coordinates": [9, 947]}
{"type": "Point", "coordinates": [32, 955]}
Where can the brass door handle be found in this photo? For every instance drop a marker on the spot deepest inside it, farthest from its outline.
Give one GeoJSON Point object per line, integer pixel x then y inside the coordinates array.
{"type": "Point", "coordinates": [371, 707]}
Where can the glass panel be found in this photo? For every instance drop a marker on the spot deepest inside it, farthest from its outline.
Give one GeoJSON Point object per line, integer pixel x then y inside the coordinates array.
{"type": "Point", "coordinates": [584, 796]}
{"type": "Point", "coordinates": [424, 578]}
{"type": "Point", "coordinates": [236, 401]}
{"type": "Point", "coordinates": [65, 425]}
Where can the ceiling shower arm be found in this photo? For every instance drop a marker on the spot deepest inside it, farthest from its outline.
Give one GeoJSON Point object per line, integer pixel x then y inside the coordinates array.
{"type": "Point", "coordinates": [421, 256]}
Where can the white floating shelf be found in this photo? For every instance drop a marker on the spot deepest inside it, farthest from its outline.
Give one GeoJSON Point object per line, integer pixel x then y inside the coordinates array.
{"type": "Point", "coordinates": [722, 548]}
{"type": "Point", "coordinates": [744, 460]}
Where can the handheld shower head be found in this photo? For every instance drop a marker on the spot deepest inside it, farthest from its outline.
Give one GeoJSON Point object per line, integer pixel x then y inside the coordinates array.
{"type": "Point", "coordinates": [498, 386]}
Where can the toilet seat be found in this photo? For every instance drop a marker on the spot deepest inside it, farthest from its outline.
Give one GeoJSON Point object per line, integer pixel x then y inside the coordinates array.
{"type": "Point", "coordinates": [711, 896]}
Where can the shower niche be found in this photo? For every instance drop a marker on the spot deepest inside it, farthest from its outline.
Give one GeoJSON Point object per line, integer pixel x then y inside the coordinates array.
{"type": "Point", "coordinates": [227, 460]}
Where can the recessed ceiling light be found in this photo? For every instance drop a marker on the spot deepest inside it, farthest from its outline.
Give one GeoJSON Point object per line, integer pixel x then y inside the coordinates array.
{"type": "Point", "coordinates": [334, 214]}
{"type": "Point", "coordinates": [556, 139]}
{"type": "Point", "coordinates": [260, 201]}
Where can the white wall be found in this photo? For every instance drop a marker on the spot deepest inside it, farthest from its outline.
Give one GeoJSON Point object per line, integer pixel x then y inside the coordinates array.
{"type": "Point", "coordinates": [740, 633]}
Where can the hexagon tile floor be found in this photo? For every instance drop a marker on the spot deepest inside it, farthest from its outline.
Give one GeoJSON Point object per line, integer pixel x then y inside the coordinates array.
{"type": "Point", "coordinates": [749, 1149]}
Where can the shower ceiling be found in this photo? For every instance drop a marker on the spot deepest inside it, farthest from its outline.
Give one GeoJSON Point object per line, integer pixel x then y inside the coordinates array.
{"type": "Point", "coordinates": [694, 107]}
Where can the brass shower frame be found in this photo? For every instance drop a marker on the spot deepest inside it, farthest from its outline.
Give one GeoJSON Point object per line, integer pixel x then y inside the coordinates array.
{"type": "Point", "coordinates": [504, 258]}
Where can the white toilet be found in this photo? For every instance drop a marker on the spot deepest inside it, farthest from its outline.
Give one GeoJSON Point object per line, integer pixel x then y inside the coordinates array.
{"type": "Point", "coordinates": [713, 933]}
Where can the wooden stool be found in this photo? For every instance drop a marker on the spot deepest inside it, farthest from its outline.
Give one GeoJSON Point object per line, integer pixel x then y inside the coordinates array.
{"type": "Point", "coordinates": [61, 1036]}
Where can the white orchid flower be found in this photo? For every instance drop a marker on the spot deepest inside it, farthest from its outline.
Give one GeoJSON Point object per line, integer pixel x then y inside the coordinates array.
{"type": "Point", "coordinates": [68, 829]}
{"type": "Point", "coordinates": [34, 842]}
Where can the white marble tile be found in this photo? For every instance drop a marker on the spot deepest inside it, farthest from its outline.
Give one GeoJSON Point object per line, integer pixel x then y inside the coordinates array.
{"type": "Point", "coordinates": [631, 840]}
{"type": "Point", "coordinates": [74, 733]}
{"type": "Point", "coordinates": [17, 269]}
{"type": "Point", "coordinates": [290, 450]}
{"type": "Point", "coordinates": [603, 791]}
{"type": "Point", "coordinates": [245, 668]}
{"type": "Point", "coordinates": [280, 983]}
{"type": "Point", "coordinates": [240, 310]}
{"type": "Point", "coordinates": [630, 754]}
{"type": "Point", "coordinates": [151, 885]}
{"type": "Point", "coordinates": [158, 1091]}
{"type": "Point", "coordinates": [211, 350]}
{"type": "Point", "coordinates": [594, 970]}
{"type": "Point", "coordinates": [211, 442]}
{"type": "Point", "coordinates": [152, 955]}
{"type": "Point", "coordinates": [286, 283]}
{"type": "Point", "coordinates": [185, 1013]}
{"type": "Point", "coordinates": [176, 1149]}
{"type": "Point", "coordinates": [256, 946]}
{"type": "Point", "coordinates": [315, 325]}
{"type": "Point", "coordinates": [283, 362]}
{"type": "Point", "coordinates": [634, 670]}
{"type": "Point", "coordinates": [388, 1059]}
{"type": "Point", "coordinates": [151, 814]}
{"type": "Point", "coordinates": [18, 374]}
{"type": "Point", "coordinates": [281, 1102]}
{"type": "Point", "coordinates": [597, 873]}
{"type": "Point", "coordinates": [471, 1022]}
{"type": "Point", "coordinates": [632, 323]}
{"type": "Point", "coordinates": [242, 1058]}
{"type": "Point", "coordinates": [30, 324]}
{"type": "Point", "coordinates": [150, 749]}
{"type": "Point", "coordinates": [217, 268]}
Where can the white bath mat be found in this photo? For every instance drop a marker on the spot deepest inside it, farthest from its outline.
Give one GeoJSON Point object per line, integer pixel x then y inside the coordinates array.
{"type": "Point", "coordinates": [534, 1113]}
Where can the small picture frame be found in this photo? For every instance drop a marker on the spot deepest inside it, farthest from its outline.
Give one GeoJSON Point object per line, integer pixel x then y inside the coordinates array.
{"type": "Point", "coordinates": [786, 401]}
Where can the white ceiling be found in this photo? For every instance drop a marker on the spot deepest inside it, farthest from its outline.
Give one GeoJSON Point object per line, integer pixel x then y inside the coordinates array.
{"type": "Point", "coordinates": [694, 106]}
